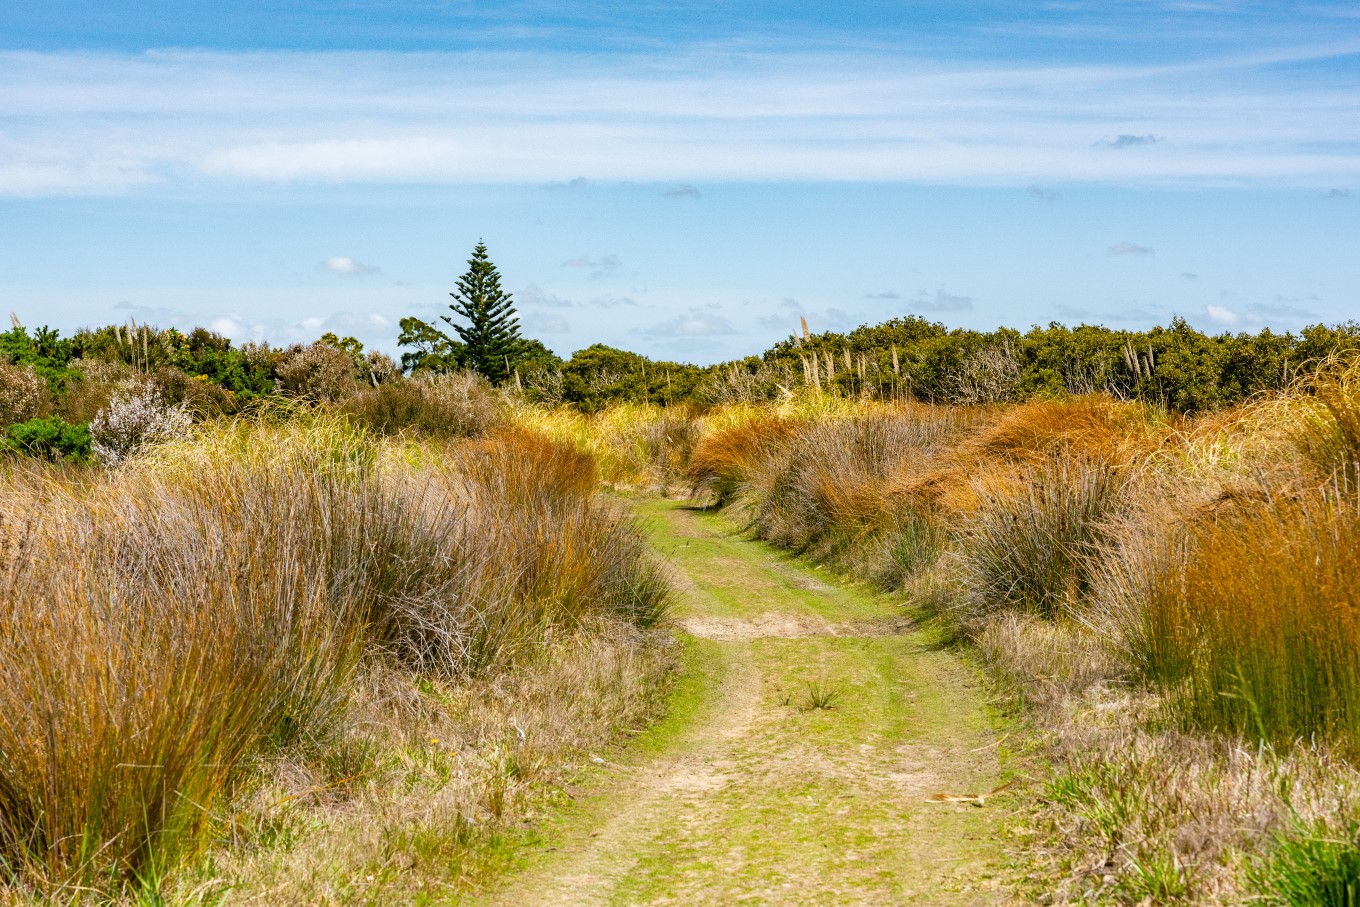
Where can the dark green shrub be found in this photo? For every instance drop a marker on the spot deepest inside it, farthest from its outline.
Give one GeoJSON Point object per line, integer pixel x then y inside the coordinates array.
{"type": "Point", "coordinates": [48, 439]}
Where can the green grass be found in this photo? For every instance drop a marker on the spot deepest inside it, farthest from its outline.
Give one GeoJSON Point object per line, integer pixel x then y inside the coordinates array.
{"type": "Point", "coordinates": [1313, 865]}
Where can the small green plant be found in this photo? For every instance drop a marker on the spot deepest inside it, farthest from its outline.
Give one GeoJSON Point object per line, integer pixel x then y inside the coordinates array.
{"type": "Point", "coordinates": [1312, 866]}
{"type": "Point", "coordinates": [1155, 876]}
{"type": "Point", "coordinates": [820, 694]}
{"type": "Point", "coordinates": [1107, 795]}
{"type": "Point", "coordinates": [914, 542]}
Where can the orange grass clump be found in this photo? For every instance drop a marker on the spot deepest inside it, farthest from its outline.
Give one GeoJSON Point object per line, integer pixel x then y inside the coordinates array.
{"type": "Point", "coordinates": [725, 461]}
{"type": "Point", "coordinates": [1251, 618]}
{"type": "Point", "coordinates": [1093, 427]}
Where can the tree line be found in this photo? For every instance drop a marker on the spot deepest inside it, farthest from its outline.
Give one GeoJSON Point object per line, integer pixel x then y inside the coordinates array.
{"type": "Point", "coordinates": [1174, 366]}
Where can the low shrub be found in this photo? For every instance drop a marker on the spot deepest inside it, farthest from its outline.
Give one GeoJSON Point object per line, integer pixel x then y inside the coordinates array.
{"type": "Point", "coordinates": [459, 405]}
{"type": "Point", "coordinates": [23, 394]}
{"type": "Point", "coordinates": [320, 372]}
{"type": "Point", "coordinates": [199, 395]}
{"type": "Point", "coordinates": [133, 422]}
{"type": "Point", "coordinates": [50, 439]}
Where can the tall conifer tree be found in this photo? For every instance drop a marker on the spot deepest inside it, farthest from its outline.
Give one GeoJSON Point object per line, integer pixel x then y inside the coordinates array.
{"type": "Point", "coordinates": [492, 332]}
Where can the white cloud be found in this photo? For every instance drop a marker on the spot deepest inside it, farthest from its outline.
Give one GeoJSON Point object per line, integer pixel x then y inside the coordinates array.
{"type": "Point", "coordinates": [1219, 314]}
{"type": "Point", "coordinates": [231, 327]}
{"type": "Point", "coordinates": [348, 267]}
{"type": "Point", "coordinates": [97, 122]}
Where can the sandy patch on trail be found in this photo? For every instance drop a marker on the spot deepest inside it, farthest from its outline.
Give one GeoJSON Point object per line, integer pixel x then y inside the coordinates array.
{"type": "Point", "coordinates": [782, 625]}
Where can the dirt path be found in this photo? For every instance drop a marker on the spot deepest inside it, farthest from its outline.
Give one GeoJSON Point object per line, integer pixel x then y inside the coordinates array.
{"type": "Point", "coordinates": [804, 743]}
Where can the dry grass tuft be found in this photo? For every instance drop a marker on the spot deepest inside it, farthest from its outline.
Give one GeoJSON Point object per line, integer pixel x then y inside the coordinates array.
{"type": "Point", "coordinates": [1097, 428]}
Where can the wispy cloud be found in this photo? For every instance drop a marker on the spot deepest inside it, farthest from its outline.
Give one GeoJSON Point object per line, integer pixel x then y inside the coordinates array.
{"type": "Point", "coordinates": [97, 123]}
{"type": "Point", "coordinates": [1072, 313]}
{"type": "Point", "coordinates": [1044, 195]}
{"type": "Point", "coordinates": [604, 266]}
{"type": "Point", "coordinates": [785, 314]}
{"type": "Point", "coordinates": [613, 302]}
{"type": "Point", "coordinates": [886, 295]}
{"type": "Point", "coordinates": [941, 301]}
{"type": "Point", "coordinates": [1130, 248]}
{"type": "Point", "coordinates": [1129, 141]}
{"type": "Point", "coordinates": [534, 295]}
{"type": "Point", "coordinates": [544, 323]}
{"type": "Point", "coordinates": [703, 321]}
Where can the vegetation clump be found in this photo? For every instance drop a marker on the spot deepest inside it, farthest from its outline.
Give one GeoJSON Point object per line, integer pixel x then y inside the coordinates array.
{"type": "Point", "coordinates": [216, 602]}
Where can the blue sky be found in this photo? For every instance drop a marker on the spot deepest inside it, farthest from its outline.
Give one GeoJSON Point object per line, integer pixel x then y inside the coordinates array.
{"type": "Point", "coordinates": [682, 179]}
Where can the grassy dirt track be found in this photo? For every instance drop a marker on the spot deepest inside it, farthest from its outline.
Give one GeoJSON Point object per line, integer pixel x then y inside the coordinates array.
{"type": "Point", "coordinates": [811, 729]}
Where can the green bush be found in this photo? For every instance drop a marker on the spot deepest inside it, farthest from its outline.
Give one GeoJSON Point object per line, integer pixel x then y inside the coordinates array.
{"type": "Point", "coordinates": [48, 439]}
